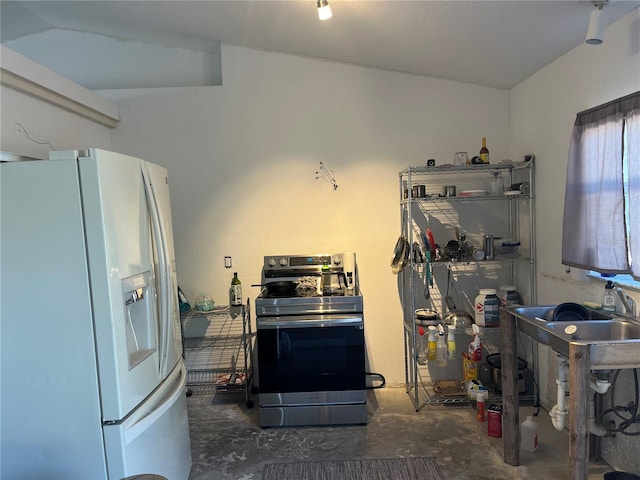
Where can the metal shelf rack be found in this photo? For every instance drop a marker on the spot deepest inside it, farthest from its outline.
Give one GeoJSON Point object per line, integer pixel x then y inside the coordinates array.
{"type": "Point", "coordinates": [218, 350]}
{"type": "Point", "coordinates": [476, 216]}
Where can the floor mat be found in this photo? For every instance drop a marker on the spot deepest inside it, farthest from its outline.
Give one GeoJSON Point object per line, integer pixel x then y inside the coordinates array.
{"type": "Point", "coordinates": [419, 468]}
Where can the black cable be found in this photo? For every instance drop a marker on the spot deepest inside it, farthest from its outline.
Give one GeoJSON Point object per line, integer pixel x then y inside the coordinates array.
{"type": "Point", "coordinates": [536, 388]}
{"type": "Point", "coordinates": [626, 421]}
{"type": "Point", "coordinates": [384, 382]}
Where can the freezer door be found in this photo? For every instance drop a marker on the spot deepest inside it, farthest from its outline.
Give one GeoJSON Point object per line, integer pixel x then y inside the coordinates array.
{"type": "Point", "coordinates": [155, 437]}
{"type": "Point", "coordinates": [126, 252]}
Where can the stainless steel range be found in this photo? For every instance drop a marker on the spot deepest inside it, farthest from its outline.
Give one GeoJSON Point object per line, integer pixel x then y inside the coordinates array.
{"type": "Point", "coordinates": [310, 335]}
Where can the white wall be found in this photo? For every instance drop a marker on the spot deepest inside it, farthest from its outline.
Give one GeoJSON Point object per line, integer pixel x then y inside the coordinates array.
{"type": "Point", "coordinates": [44, 122]}
{"type": "Point", "coordinates": [242, 160]}
{"type": "Point", "coordinates": [80, 56]}
{"type": "Point", "coordinates": [542, 112]}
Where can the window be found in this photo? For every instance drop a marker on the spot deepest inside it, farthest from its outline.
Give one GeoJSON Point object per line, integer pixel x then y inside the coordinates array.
{"type": "Point", "coordinates": [601, 224]}
{"type": "Point", "coordinates": [626, 279]}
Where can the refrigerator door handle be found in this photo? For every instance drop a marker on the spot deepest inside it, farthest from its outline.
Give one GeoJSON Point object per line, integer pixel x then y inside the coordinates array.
{"type": "Point", "coordinates": [164, 272]}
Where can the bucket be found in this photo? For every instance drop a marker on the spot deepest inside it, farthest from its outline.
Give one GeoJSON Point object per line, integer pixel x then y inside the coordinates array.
{"type": "Point", "coordinates": [491, 375]}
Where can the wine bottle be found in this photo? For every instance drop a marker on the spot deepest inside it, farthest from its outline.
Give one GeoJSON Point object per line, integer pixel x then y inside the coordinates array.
{"type": "Point", "coordinates": [484, 151]}
{"type": "Point", "coordinates": [236, 290]}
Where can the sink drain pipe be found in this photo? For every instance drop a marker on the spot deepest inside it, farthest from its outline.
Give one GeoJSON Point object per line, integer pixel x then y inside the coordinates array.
{"type": "Point", "coordinates": [559, 412]}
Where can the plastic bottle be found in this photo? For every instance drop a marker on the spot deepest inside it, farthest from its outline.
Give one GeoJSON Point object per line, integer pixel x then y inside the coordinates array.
{"type": "Point", "coordinates": [451, 342]}
{"type": "Point", "coordinates": [480, 404]}
{"type": "Point", "coordinates": [441, 349]}
{"type": "Point", "coordinates": [494, 420]}
{"type": "Point", "coordinates": [235, 292]}
{"type": "Point", "coordinates": [529, 435]}
{"type": "Point", "coordinates": [422, 347]}
{"type": "Point", "coordinates": [609, 300]}
{"type": "Point", "coordinates": [475, 347]}
{"type": "Point", "coordinates": [508, 295]}
{"type": "Point", "coordinates": [487, 308]}
{"type": "Point", "coordinates": [432, 343]}
{"type": "Point", "coordinates": [484, 151]}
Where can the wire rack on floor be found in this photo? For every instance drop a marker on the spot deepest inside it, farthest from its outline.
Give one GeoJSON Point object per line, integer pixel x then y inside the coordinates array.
{"type": "Point", "coordinates": [217, 350]}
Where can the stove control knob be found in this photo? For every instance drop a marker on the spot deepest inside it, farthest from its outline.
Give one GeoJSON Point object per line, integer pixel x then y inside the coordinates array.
{"type": "Point", "coordinates": [271, 262]}
{"type": "Point", "coordinates": [283, 262]}
{"type": "Point", "coordinates": [337, 260]}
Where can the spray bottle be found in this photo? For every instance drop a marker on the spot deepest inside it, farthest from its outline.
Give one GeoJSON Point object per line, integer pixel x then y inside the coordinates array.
{"type": "Point", "coordinates": [475, 347]}
{"type": "Point", "coordinates": [451, 342]}
{"type": "Point", "coordinates": [441, 349]}
{"type": "Point", "coordinates": [432, 343]}
{"type": "Point", "coordinates": [422, 347]}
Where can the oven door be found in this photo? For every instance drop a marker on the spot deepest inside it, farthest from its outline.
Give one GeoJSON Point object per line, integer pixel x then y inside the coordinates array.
{"type": "Point", "coordinates": [311, 353]}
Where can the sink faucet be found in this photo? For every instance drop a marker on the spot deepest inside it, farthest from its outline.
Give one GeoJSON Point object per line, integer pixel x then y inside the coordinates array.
{"type": "Point", "coordinates": [627, 302]}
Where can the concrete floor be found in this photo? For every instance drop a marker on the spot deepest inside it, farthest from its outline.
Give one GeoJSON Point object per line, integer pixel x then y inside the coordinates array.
{"type": "Point", "coordinates": [227, 442]}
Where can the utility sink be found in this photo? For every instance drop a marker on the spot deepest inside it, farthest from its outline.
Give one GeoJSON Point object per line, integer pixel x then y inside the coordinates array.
{"type": "Point", "coordinates": [589, 340]}
{"type": "Point", "coordinates": [591, 331]}
{"type": "Point", "coordinates": [614, 341]}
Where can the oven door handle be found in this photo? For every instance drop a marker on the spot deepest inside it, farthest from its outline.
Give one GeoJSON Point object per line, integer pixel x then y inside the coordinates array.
{"type": "Point", "coordinates": [264, 323]}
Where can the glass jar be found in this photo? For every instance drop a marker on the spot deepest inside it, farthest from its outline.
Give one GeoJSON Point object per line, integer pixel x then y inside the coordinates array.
{"type": "Point", "coordinates": [204, 303]}
{"type": "Point", "coordinates": [496, 184]}
{"type": "Point", "coordinates": [461, 158]}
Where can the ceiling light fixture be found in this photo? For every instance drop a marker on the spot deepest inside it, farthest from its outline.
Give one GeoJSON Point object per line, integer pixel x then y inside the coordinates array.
{"type": "Point", "coordinates": [324, 10]}
{"type": "Point", "coordinates": [597, 24]}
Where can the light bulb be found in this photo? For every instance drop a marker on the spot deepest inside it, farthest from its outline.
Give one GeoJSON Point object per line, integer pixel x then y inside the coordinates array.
{"type": "Point", "coordinates": [324, 10]}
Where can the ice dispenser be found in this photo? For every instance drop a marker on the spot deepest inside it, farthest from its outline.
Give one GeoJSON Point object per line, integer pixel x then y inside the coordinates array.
{"type": "Point", "coordinates": [140, 317]}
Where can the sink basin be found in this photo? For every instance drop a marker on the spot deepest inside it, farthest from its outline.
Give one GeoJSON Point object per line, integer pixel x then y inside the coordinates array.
{"type": "Point", "coordinates": [590, 331]}
{"type": "Point", "coordinates": [537, 318]}
{"type": "Point", "coordinates": [543, 312]}
{"type": "Point", "coordinates": [600, 332]}
{"type": "Point", "coordinates": [547, 312]}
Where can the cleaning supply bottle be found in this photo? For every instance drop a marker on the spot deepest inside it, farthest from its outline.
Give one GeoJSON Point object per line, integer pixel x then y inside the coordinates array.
{"type": "Point", "coordinates": [451, 342]}
{"type": "Point", "coordinates": [441, 349]}
{"type": "Point", "coordinates": [422, 347]}
{"type": "Point", "coordinates": [529, 435]}
{"type": "Point", "coordinates": [432, 343]}
{"type": "Point", "coordinates": [609, 300]}
{"type": "Point", "coordinates": [475, 347]}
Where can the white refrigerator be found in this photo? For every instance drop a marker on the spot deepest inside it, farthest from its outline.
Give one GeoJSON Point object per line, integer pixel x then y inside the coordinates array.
{"type": "Point", "coordinates": [92, 375]}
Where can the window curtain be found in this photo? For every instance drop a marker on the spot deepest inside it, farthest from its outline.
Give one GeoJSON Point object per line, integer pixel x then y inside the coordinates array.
{"type": "Point", "coordinates": [594, 229]}
{"type": "Point", "coordinates": [633, 138]}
